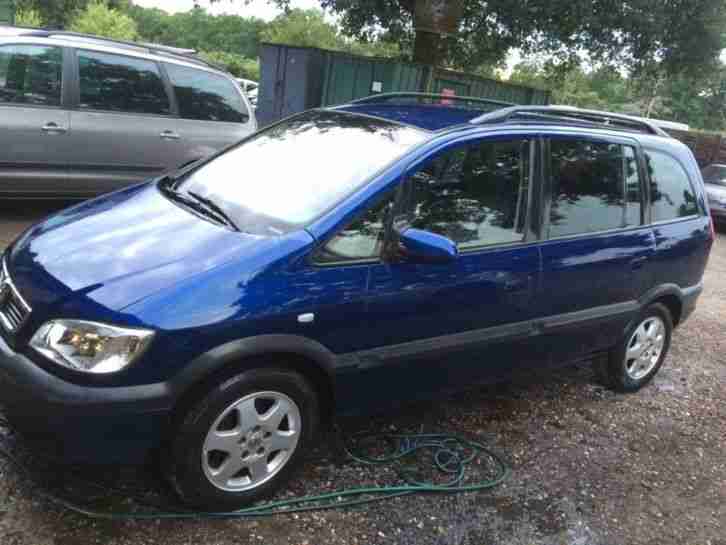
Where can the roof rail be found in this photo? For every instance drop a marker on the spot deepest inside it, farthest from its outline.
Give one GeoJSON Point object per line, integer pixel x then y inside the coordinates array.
{"type": "Point", "coordinates": [385, 97]}
{"type": "Point", "coordinates": [158, 49]}
{"type": "Point", "coordinates": [571, 114]}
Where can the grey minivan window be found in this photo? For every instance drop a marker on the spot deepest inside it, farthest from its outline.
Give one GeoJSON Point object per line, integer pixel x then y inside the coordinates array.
{"type": "Point", "coordinates": [117, 83]}
{"type": "Point", "coordinates": [290, 173]}
{"type": "Point", "coordinates": [671, 193]}
{"type": "Point", "coordinates": [595, 187]}
{"type": "Point", "coordinates": [31, 74]}
{"type": "Point", "coordinates": [205, 96]}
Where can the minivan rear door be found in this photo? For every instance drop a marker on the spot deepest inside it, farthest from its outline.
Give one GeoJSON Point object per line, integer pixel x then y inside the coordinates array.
{"type": "Point", "coordinates": [123, 127]}
{"type": "Point", "coordinates": [596, 248]}
{"type": "Point", "coordinates": [213, 112]}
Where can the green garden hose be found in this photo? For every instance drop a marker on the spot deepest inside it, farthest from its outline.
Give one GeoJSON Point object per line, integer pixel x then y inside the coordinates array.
{"type": "Point", "coordinates": [451, 454]}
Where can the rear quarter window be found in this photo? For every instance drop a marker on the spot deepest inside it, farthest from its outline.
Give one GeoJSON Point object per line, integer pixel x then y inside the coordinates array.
{"type": "Point", "coordinates": [204, 96]}
{"type": "Point", "coordinates": [671, 193]}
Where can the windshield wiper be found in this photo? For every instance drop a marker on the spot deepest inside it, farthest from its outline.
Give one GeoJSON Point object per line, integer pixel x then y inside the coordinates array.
{"type": "Point", "coordinates": [195, 203]}
{"type": "Point", "coordinates": [214, 207]}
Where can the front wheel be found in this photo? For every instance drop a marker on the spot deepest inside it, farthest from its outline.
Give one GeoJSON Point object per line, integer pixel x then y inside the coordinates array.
{"type": "Point", "coordinates": [243, 440]}
{"type": "Point", "coordinates": [638, 357]}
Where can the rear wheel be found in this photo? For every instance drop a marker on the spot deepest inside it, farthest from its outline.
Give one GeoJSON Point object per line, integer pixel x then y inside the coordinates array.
{"type": "Point", "coordinates": [635, 361]}
{"type": "Point", "coordinates": [243, 439]}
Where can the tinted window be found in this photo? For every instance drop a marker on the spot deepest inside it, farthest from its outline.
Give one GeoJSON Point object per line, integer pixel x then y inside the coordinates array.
{"type": "Point", "coordinates": [363, 239]}
{"type": "Point", "coordinates": [595, 187]}
{"type": "Point", "coordinates": [205, 96]}
{"type": "Point", "coordinates": [121, 84]}
{"type": "Point", "coordinates": [475, 195]}
{"type": "Point", "coordinates": [292, 172]}
{"type": "Point", "coordinates": [671, 193]}
{"type": "Point", "coordinates": [31, 74]}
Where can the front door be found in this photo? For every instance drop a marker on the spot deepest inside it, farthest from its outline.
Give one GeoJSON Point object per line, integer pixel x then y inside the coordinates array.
{"type": "Point", "coordinates": [34, 135]}
{"type": "Point", "coordinates": [435, 327]}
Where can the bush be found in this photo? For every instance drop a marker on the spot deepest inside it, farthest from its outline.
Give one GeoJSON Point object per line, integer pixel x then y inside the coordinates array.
{"type": "Point", "coordinates": [241, 67]}
{"type": "Point", "coordinates": [100, 20]}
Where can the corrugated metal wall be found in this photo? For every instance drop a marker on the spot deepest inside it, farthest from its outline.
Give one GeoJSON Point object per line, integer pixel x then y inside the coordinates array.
{"type": "Point", "coordinates": [294, 79]}
{"type": "Point", "coordinates": [7, 12]}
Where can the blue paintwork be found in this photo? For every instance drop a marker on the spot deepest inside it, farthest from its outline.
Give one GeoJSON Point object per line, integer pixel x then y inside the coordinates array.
{"type": "Point", "coordinates": [135, 258]}
{"type": "Point", "coordinates": [426, 247]}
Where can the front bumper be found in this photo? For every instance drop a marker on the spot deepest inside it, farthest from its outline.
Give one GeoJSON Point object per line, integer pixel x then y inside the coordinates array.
{"type": "Point", "coordinates": [81, 423]}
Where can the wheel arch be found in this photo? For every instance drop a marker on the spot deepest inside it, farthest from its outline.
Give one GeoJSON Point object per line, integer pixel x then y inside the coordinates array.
{"type": "Point", "coordinates": [305, 356]}
{"type": "Point", "coordinates": [670, 295]}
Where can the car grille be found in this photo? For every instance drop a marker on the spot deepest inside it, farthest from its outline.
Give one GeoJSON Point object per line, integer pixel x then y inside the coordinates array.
{"type": "Point", "coordinates": [13, 308]}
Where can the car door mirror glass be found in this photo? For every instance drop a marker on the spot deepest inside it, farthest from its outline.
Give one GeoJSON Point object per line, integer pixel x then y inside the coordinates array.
{"type": "Point", "coordinates": [426, 247]}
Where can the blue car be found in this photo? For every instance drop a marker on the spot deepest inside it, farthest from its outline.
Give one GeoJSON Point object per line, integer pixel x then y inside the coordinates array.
{"type": "Point", "coordinates": [342, 261]}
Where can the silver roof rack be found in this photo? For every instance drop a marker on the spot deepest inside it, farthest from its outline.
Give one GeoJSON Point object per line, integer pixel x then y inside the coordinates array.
{"type": "Point", "coordinates": [392, 97]}
{"type": "Point", "coordinates": [570, 114]}
{"type": "Point", "coordinates": [188, 55]}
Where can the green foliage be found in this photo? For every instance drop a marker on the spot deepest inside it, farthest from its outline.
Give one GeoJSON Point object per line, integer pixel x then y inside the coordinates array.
{"type": "Point", "coordinates": [99, 19]}
{"type": "Point", "coordinates": [29, 18]}
{"type": "Point", "coordinates": [196, 29]}
{"type": "Point", "coordinates": [308, 28]}
{"type": "Point", "coordinates": [681, 34]}
{"type": "Point", "coordinates": [697, 101]}
{"type": "Point", "coordinates": [240, 66]}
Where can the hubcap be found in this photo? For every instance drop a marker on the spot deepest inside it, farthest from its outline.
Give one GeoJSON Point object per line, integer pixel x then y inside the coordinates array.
{"type": "Point", "coordinates": [645, 347]}
{"type": "Point", "coordinates": [251, 440]}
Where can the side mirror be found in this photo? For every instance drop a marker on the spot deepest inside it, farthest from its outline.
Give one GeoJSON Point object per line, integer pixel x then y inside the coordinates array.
{"type": "Point", "coordinates": [426, 247]}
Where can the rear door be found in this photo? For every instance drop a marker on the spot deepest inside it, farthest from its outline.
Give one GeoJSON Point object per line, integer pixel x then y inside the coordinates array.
{"type": "Point", "coordinates": [597, 251]}
{"type": "Point", "coordinates": [34, 136]}
{"type": "Point", "coordinates": [213, 112]}
{"type": "Point", "coordinates": [123, 128]}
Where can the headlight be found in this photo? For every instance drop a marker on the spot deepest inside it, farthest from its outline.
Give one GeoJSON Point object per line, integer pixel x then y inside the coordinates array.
{"type": "Point", "coordinates": [90, 347]}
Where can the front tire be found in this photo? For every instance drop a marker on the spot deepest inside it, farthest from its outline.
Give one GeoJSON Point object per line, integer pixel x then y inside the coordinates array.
{"type": "Point", "coordinates": [637, 358]}
{"type": "Point", "coordinates": [243, 439]}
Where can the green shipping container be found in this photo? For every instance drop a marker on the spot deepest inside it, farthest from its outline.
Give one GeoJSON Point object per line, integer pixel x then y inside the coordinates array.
{"type": "Point", "coordinates": [7, 12]}
{"type": "Point", "coordinates": [348, 77]}
{"type": "Point", "coordinates": [293, 79]}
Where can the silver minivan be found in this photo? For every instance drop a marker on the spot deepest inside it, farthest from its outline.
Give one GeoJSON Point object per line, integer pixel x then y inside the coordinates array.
{"type": "Point", "coordinates": [82, 115]}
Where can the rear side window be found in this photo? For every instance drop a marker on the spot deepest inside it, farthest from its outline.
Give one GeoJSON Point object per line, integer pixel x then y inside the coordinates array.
{"type": "Point", "coordinates": [595, 187]}
{"type": "Point", "coordinates": [205, 96]}
{"type": "Point", "coordinates": [31, 74]}
{"type": "Point", "coordinates": [116, 83]}
{"type": "Point", "coordinates": [671, 193]}
{"type": "Point", "coordinates": [476, 194]}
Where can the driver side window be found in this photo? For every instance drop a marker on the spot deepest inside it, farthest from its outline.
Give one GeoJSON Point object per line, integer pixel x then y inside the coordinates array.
{"type": "Point", "coordinates": [474, 194]}
{"type": "Point", "coordinates": [362, 240]}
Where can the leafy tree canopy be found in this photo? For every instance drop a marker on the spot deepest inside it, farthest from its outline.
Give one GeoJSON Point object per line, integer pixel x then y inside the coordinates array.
{"type": "Point", "coordinates": [99, 19]}
{"type": "Point", "coordinates": [679, 34]}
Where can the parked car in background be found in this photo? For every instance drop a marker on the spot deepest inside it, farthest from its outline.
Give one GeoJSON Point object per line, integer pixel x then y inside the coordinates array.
{"type": "Point", "coordinates": [83, 115]}
{"type": "Point", "coordinates": [251, 88]}
{"type": "Point", "coordinates": [345, 260]}
{"type": "Point", "coordinates": [714, 178]}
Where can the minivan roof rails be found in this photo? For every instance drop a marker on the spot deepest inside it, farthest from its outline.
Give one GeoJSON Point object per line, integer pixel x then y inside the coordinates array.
{"type": "Point", "coordinates": [570, 114]}
{"type": "Point", "coordinates": [188, 55]}
{"type": "Point", "coordinates": [391, 97]}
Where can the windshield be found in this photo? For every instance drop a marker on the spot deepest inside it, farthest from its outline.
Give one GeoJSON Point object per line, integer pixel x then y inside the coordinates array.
{"type": "Point", "coordinates": [714, 174]}
{"type": "Point", "coordinates": [291, 173]}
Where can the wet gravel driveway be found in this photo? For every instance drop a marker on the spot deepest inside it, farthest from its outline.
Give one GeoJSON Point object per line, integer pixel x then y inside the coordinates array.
{"type": "Point", "coordinates": [589, 466]}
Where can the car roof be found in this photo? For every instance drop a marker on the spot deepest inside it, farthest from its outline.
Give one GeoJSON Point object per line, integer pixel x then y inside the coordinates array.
{"type": "Point", "coordinates": [437, 113]}
{"type": "Point", "coordinates": [157, 52]}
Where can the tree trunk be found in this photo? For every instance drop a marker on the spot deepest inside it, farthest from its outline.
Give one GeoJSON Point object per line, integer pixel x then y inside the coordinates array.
{"type": "Point", "coordinates": [427, 48]}
{"type": "Point", "coordinates": [433, 19]}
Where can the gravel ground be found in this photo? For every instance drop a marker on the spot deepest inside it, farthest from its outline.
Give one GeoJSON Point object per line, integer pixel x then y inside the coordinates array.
{"type": "Point", "coordinates": [590, 467]}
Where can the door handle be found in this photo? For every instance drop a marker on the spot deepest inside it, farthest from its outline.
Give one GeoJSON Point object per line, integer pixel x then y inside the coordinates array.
{"type": "Point", "coordinates": [638, 263]}
{"type": "Point", "coordinates": [516, 284]}
{"type": "Point", "coordinates": [169, 135]}
{"type": "Point", "coordinates": [53, 128]}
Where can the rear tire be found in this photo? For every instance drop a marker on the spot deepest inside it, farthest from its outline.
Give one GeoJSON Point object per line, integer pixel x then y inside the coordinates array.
{"type": "Point", "coordinates": [640, 354]}
{"type": "Point", "coordinates": [242, 440]}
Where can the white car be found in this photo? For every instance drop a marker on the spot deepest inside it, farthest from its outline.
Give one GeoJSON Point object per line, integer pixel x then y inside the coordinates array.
{"type": "Point", "coordinates": [250, 88]}
{"type": "Point", "coordinates": [714, 178]}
